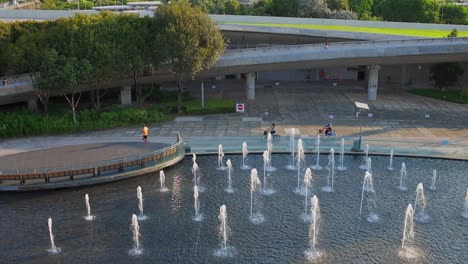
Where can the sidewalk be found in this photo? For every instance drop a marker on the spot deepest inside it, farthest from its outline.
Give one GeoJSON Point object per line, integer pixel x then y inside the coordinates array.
{"type": "Point", "coordinates": [398, 120]}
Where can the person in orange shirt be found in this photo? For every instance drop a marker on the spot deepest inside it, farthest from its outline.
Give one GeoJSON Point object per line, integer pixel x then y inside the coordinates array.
{"type": "Point", "coordinates": [145, 132]}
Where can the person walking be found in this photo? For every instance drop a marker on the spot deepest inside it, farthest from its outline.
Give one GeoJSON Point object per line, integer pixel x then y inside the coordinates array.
{"type": "Point", "coordinates": [144, 133]}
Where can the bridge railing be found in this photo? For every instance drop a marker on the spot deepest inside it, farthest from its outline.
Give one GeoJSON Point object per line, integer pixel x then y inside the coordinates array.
{"type": "Point", "coordinates": [334, 45]}
{"type": "Point", "coordinates": [15, 80]}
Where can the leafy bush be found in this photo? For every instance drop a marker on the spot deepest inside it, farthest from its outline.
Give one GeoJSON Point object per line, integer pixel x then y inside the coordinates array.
{"type": "Point", "coordinates": [24, 123]}
{"type": "Point", "coordinates": [342, 14]}
{"type": "Point", "coordinates": [464, 95]}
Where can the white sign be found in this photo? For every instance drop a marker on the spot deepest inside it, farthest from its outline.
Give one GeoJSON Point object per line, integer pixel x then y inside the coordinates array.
{"type": "Point", "coordinates": [331, 116]}
{"type": "Point", "coordinates": [427, 115]}
{"type": "Point", "coordinates": [370, 115]}
{"type": "Point", "coordinates": [362, 105]}
{"type": "Point", "coordinates": [240, 108]}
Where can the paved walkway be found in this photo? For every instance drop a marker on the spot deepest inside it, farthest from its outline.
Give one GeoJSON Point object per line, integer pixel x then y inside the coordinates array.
{"type": "Point", "coordinates": [69, 156]}
{"type": "Point", "coordinates": [398, 119]}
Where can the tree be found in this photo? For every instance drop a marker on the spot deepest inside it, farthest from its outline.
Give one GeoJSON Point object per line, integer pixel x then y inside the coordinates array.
{"type": "Point", "coordinates": [262, 8]}
{"type": "Point", "coordinates": [338, 4]}
{"type": "Point", "coordinates": [454, 14]}
{"type": "Point", "coordinates": [5, 45]}
{"type": "Point", "coordinates": [313, 8]}
{"type": "Point", "coordinates": [422, 11]}
{"type": "Point", "coordinates": [446, 74]}
{"type": "Point", "coordinates": [284, 8]}
{"type": "Point", "coordinates": [47, 80]}
{"type": "Point", "coordinates": [192, 41]}
{"type": "Point", "coordinates": [362, 8]}
{"type": "Point", "coordinates": [74, 74]}
{"type": "Point", "coordinates": [231, 7]}
{"type": "Point", "coordinates": [135, 49]}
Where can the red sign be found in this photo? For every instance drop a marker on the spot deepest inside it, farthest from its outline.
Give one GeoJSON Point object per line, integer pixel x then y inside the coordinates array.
{"type": "Point", "coordinates": [240, 108]}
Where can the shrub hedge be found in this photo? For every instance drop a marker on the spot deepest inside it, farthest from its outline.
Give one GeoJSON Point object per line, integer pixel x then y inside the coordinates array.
{"type": "Point", "coordinates": [17, 123]}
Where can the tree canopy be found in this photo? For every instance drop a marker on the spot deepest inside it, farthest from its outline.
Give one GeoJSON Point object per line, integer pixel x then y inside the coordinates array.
{"type": "Point", "coordinates": [192, 41]}
{"type": "Point", "coordinates": [422, 11]}
{"type": "Point", "coordinates": [67, 54]}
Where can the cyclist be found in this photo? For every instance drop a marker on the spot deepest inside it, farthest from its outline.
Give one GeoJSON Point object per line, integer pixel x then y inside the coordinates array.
{"type": "Point", "coordinates": [271, 129]}
{"type": "Point", "coordinates": [326, 130]}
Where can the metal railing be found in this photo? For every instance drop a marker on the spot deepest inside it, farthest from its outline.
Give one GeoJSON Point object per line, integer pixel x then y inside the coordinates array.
{"type": "Point", "coordinates": [112, 166]}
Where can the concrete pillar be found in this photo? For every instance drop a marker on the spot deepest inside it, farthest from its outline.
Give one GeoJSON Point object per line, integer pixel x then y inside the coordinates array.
{"type": "Point", "coordinates": [404, 76]}
{"type": "Point", "coordinates": [250, 86]}
{"type": "Point", "coordinates": [32, 104]}
{"type": "Point", "coordinates": [126, 95]}
{"type": "Point", "coordinates": [373, 82]}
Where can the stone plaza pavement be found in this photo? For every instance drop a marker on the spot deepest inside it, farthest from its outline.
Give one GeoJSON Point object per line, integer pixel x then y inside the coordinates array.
{"type": "Point", "coordinates": [396, 119]}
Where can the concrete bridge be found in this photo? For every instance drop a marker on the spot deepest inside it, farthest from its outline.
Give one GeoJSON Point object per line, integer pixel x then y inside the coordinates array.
{"type": "Point", "coordinates": [393, 50]}
{"type": "Point", "coordinates": [249, 61]}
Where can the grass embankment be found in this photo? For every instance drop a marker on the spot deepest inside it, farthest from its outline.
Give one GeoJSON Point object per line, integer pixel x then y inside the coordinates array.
{"type": "Point", "coordinates": [458, 97]}
{"type": "Point", "coordinates": [428, 33]}
{"type": "Point", "coordinates": [20, 122]}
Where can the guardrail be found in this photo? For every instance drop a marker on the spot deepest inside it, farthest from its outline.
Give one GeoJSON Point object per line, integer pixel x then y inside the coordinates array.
{"type": "Point", "coordinates": [334, 45]}
{"type": "Point", "coordinates": [108, 167]}
{"type": "Point", "coordinates": [15, 80]}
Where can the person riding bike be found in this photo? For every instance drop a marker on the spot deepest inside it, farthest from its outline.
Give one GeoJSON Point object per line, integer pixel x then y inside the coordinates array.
{"type": "Point", "coordinates": [326, 130]}
{"type": "Point", "coordinates": [271, 129]}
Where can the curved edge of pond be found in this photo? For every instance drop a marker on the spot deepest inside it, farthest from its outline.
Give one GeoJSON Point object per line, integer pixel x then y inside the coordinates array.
{"type": "Point", "coordinates": [380, 147]}
{"type": "Point", "coordinates": [89, 180]}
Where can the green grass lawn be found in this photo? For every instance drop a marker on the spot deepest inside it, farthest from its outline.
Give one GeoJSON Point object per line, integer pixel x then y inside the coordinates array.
{"type": "Point", "coordinates": [451, 96]}
{"type": "Point", "coordinates": [430, 33]}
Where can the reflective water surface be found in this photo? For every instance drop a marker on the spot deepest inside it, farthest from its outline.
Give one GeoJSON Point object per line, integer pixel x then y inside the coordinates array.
{"type": "Point", "coordinates": [169, 235]}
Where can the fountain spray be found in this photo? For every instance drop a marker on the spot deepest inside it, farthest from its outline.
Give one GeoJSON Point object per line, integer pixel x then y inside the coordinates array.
{"type": "Point", "coordinates": [369, 192]}
{"type": "Point", "coordinates": [196, 178]}
{"type": "Point", "coordinates": [223, 227]}
{"type": "Point", "coordinates": [390, 164]}
{"type": "Point", "coordinates": [367, 186]}
{"type": "Point", "coordinates": [300, 159]}
{"type": "Point", "coordinates": [137, 249]}
{"type": "Point", "coordinates": [254, 185]}
{"type": "Point", "coordinates": [220, 157]}
{"type": "Point", "coordinates": [317, 165]}
{"type": "Point", "coordinates": [312, 252]}
{"type": "Point", "coordinates": [408, 229]}
{"type": "Point", "coordinates": [331, 172]}
{"type": "Point", "coordinates": [434, 178]}
{"type": "Point", "coordinates": [341, 167]}
{"type": "Point", "coordinates": [142, 216]}
{"type": "Point", "coordinates": [366, 151]}
{"type": "Point", "coordinates": [269, 144]}
{"type": "Point", "coordinates": [403, 174]}
{"type": "Point", "coordinates": [229, 168]}
{"type": "Point", "coordinates": [292, 144]}
{"type": "Point", "coordinates": [162, 181]}
{"type": "Point", "coordinates": [420, 205]}
{"type": "Point", "coordinates": [266, 164]}
{"type": "Point", "coordinates": [466, 204]}
{"type": "Point", "coordinates": [88, 216]}
{"type": "Point", "coordinates": [53, 249]}
{"type": "Point", "coordinates": [244, 155]}
{"type": "Point", "coordinates": [196, 204]}
{"type": "Point", "coordinates": [307, 183]}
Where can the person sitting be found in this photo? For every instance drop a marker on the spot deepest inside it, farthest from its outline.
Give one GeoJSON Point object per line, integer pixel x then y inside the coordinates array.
{"type": "Point", "coordinates": [271, 129]}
